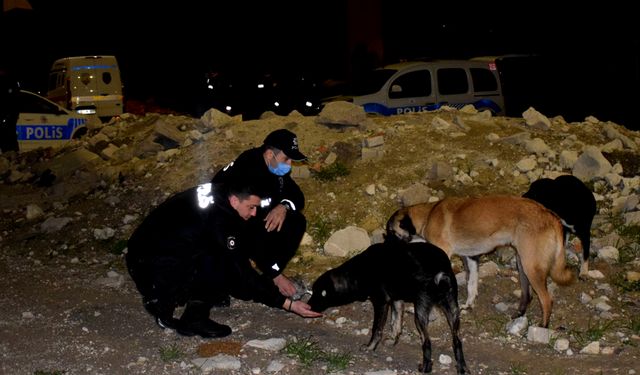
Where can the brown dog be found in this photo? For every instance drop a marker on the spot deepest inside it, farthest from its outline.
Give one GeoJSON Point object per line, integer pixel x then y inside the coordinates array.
{"type": "Point", "coordinates": [470, 227]}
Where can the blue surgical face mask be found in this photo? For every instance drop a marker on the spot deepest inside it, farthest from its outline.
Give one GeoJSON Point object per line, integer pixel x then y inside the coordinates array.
{"type": "Point", "coordinates": [281, 169]}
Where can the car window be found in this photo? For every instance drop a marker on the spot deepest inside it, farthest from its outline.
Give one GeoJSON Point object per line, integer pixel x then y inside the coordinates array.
{"type": "Point", "coordinates": [106, 77]}
{"type": "Point", "coordinates": [53, 81]}
{"type": "Point", "coordinates": [31, 104]}
{"type": "Point", "coordinates": [483, 80]}
{"type": "Point", "coordinates": [452, 81]}
{"type": "Point", "coordinates": [413, 84]}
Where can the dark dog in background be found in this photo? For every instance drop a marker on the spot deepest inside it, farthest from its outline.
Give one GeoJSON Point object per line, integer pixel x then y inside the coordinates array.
{"type": "Point", "coordinates": [574, 203]}
{"type": "Point", "coordinates": [389, 274]}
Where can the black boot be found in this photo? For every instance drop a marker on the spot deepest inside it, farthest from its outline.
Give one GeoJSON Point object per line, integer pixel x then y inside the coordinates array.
{"type": "Point", "coordinates": [195, 321]}
{"type": "Point", "coordinates": [162, 312]}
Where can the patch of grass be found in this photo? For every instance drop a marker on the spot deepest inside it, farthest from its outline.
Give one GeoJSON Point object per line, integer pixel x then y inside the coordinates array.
{"type": "Point", "coordinates": [337, 361]}
{"type": "Point", "coordinates": [170, 353]}
{"type": "Point", "coordinates": [320, 229]}
{"type": "Point", "coordinates": [627, 253]}
{"type": "Point", "coordinates": [634, 324]}
{"type": "Point", "coordinates": [308, 352]}
{"type": "Point", "coordinates": [494, 324]}
{"type": "Point", "coordinates": [517, 369]}
{"type": "Point", "coordinates": [305, 350]}
{"type": "Point", "coordinates": [630, 235]}
{"type": "Point", "coordinates": [593, 332]}
{"type": "Point", "coordinates": [331, 172]}
{"type": "Point", "coordinates": [621, 282]}
{"type": "Point", "coordinates": [632, 232]}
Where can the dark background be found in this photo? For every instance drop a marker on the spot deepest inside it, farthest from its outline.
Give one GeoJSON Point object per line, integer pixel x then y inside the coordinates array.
{"type": "Point", "coordinates": [581, 59]}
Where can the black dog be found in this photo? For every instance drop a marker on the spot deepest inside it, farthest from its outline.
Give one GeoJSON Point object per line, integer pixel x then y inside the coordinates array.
{"type": "Point", "coordinates": [574, 203]}
{"type": "Point", "coordinates": [389, 274]}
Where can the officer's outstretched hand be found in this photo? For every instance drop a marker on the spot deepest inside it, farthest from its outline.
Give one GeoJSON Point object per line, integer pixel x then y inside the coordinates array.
{"type": "Point", "coordinates": [300, 308]}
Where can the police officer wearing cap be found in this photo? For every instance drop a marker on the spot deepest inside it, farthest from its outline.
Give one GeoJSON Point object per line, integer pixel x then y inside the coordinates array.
{"type": "Point", "coordinates": [193, 250]}
{"type": "Point", "coordinates": [279, 224]}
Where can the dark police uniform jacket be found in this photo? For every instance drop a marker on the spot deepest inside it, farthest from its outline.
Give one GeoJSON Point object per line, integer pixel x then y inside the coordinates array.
{"type": "Point", "coordinates": [275, 248]}
{"type": "Point", "coordinates": [194, 246]}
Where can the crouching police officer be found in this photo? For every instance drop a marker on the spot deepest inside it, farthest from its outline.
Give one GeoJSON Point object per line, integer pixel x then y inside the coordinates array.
{"type": "Point", "coordinates": [280, 223]}
{"type": "Point", "coordinates": [193, 249]}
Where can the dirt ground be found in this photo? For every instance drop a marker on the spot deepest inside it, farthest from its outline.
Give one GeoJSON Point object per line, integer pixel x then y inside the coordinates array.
{"type": "Point", "coordinates": [68, 305]}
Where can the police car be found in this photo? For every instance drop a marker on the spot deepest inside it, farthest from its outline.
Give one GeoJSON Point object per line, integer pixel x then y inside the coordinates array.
{"type": "Point", "coordinates": [43, 123]}
{"type": "Point", "coordinates": [414, 86]}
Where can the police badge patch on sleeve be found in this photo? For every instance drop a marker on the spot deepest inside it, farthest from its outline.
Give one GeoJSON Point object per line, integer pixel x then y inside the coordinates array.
{"type": "Point", "coordinates": [231, 242]}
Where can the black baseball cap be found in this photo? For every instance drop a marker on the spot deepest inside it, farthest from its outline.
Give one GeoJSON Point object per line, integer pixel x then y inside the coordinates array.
{"type": "Point", "coordinates": [284, 140]}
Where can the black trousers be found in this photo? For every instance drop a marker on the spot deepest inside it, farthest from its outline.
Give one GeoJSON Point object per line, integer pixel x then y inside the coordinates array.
{"type": "Point", "coordinates": [272, 251]}
{"type": "Point", "coordinates": [174, 281]}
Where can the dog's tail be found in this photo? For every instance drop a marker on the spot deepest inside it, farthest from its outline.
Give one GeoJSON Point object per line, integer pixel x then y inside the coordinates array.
{"type": "Point", "coordinates": [561, 273]}
{"type": "Point", "coordinates": [440, 277]}
{"type": "Point", "coordinates": [446, 282]}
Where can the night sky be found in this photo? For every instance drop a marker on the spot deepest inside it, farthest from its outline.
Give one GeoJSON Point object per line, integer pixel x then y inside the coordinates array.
{"type": "Point", "coordinates": [590, 53]}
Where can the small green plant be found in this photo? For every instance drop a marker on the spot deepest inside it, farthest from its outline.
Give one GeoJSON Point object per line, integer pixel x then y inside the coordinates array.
{"type": "Point", "coordinates": [631, 231]}
{"type": "Point", "coordinates": [627, 253]}
{"type": "Point", "coordinates": [308, 352]}
{"type": "Point", "coordinates": [592, 333]}
{"type": "Point", "coordinates": [517, 369]}
{"type": "Point", "coordinates": [332, 172]}
{"type": "Point", "coordinates": [337, 361]}
{"type": "Point", "coordinates": [320, 229]}
{"type": "Point", "coordinates": [621, 282]}
{"type": "Point", "coordinates": [170, 353]}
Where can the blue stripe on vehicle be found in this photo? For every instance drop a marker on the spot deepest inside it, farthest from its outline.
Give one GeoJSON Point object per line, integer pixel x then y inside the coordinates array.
{"type": "Point", "coordinates": [48, 132]}
{"type": "Point", "coordinates": [386, 111]}
{"type": "Point", "coordinates": [83, 67]}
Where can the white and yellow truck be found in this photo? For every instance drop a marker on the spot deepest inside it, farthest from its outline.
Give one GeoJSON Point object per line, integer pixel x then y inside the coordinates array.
{"type": "Point", "coordinates": [88, 85]}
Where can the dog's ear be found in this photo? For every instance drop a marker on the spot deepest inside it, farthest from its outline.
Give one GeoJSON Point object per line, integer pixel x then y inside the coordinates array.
{"type": "Point", "coordinates": [340, 284]}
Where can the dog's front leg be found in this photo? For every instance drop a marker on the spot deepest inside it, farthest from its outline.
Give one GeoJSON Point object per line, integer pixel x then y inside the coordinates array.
{"type": "Point", "coordinates": [380, 312]}
{"type": "Point", "coordinates": [471, 265]}
{"type": "Point", "coordinates": [396, 320]}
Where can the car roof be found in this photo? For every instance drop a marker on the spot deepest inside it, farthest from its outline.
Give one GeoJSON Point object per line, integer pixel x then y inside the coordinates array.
{"type": "Point", "coordinates": [432, 63]}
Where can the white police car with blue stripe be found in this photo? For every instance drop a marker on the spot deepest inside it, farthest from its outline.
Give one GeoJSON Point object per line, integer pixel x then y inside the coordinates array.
{"type": "Point", "coordinates": [43, 123]}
